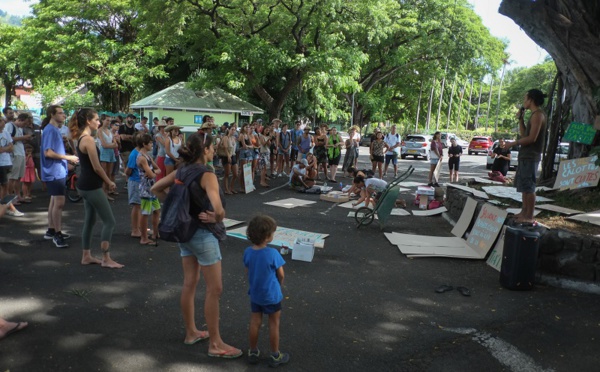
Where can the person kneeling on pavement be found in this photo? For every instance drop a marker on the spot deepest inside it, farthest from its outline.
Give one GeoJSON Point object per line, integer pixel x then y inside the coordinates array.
{"type": "Point", "coordinates": [298, 177]}
{"type": "Point", "coordinates": [371, 190]}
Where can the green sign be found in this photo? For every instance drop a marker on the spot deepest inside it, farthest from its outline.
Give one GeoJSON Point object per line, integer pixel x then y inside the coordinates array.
{"type": "Point", "coordinates": [580, 132]}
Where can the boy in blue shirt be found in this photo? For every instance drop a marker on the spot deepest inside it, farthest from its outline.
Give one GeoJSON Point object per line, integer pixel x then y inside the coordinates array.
{"type": "Point", "coordinates": [265, 276]}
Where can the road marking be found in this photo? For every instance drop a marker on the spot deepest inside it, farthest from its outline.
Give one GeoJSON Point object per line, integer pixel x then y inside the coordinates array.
{"type": "Point", "coordinates": [504, 352]}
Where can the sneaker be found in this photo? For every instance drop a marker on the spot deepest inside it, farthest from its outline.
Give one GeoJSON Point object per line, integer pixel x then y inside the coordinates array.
{"type": "Point", "coordinates": [15, 213]}
{"type": "Point", "coordinates": [253, 356]}
{"type": "Point", "coordinates": [436, 184]}
{"type": "Point", "coordinates": [59, 241]}
{"type": "Point", "coordinates": [430, 184]}
{"type": "Point", "coordinates": [48, 235]}
{"type": "Point", "coordinates": [65, 236]}
{"type": "Point", "coordinates": [385, 175]}
{"type": "Point", "coordinates": [283, 358]}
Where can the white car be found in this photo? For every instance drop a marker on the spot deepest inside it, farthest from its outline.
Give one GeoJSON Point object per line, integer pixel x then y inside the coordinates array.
{"type": "Point", "coordinates": [417, 145]}
{"type": "Point", "coordinates": [514, 154]}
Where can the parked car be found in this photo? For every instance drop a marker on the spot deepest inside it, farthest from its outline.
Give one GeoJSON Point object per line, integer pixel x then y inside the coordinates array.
{"type": "Point", "coordinates": [345, 136]}
{"type": "Point", "coordinates": [562, 152]}
{"type": "Point", "coordinates": [480, 144]}
{"type": "Point", "coordinates": [366, 140]}
{"type": "Point", "coordinates": [514, 154]}
{"type": "Point", "coordinates": [417, 145]}
{"type": "Point", "coordinates": [446, 137]}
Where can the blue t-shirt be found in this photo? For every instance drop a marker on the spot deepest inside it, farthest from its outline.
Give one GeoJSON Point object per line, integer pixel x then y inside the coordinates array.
{"type": "Point", "coordinates": [262, 265]}
{"type": "Point", "coordinates": [132, 164]}
{"type": "Point", "coordinates": [295, 135]}
{"type": "Point", "coordinates": [52, 169]}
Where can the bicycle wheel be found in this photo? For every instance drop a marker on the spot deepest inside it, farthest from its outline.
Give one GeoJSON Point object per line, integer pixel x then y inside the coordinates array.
{"type": "Point", "coordinates": [72, 193]}
{"type": "Point", "coordinates": [364, 216]}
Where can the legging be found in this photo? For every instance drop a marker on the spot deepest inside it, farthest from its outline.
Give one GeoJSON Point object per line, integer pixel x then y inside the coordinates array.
{"type": "Point", "coordinates": [95, 201]}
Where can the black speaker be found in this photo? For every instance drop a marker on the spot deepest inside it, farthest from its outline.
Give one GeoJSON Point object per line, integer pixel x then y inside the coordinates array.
{"type": "Point", "coordinates": [519, 258]}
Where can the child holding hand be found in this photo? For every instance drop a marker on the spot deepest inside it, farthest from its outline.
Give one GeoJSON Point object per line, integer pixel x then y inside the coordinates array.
{"type": "Point", "coordinates": [264, 267]}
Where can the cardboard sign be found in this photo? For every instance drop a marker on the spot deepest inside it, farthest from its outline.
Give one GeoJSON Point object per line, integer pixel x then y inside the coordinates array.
{"type": "Point", "coordinates": [577, 173]}
{"type": "Point", "coordinates": [580, 132]}
{"type": "Point", "coordinates": [495, 258]}
{"type": "Point", "coordinates": [486, 228]}
{"type": "Point", "coordinates": [284, 237]}
{"type": "Point", "coordinates": [248, 181]}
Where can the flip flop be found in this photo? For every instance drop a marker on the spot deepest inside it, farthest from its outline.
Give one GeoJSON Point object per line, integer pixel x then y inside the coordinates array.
{"type": "Point", "coordinates": [229, 354]}
{"type": "Point", "coordinates": [204, 336]}
{"type": "Point", "coordinates": [150, 242]}
{"type": "Point", "coordinates": [16, 328]}
{"type": "Point", "coordinates": [444, 288]}
{"type": "Point", "coordinates": [464, 291]}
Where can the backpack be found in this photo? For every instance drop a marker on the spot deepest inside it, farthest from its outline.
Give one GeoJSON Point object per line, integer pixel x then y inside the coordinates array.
{"type": "Point", "coordinates": [312, 190]}
{"type": "Point", "coordinates": [176, 224]}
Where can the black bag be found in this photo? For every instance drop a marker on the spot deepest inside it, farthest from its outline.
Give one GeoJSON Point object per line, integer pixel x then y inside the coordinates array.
{"type": "Point", "coordinates": [176, 224]}
{"type": "Point", "coordinates": [312, 190]}
{"type": "Point", "coordinates": [519, 258]}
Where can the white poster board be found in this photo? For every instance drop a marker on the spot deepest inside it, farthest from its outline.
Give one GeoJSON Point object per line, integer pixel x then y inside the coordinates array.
{"type": "Point", "coordinates": [577, 173]}
{"type": "Point", "coordinates": [495, 258]}
{"type": "Point", "coordinates": [284, 237]}
{"type": "Point", "coordinates": [248, 179]}
{"type": "Point", "coordinates": [465, 218]}
{"type": "Point", "coordinates": [487, 226]}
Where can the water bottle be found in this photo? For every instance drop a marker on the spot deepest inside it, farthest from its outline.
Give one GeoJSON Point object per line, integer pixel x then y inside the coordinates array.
{"type": "Point", "coordinates": [325, 184]}
{"type": "Point", "coordinates": [341, 186]}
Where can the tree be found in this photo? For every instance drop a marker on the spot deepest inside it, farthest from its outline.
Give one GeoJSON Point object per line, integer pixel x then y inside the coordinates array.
{"type": "Point", "coordinates": [95, 43]}
{"type": "Point", "coordinates": [9, 63]}
{"type": "Point", "coordinates": [569, 31]}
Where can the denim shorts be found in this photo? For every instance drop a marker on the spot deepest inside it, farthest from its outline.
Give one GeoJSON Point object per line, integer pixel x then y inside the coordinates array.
{"type": "Point", "coordinates": [169, 161]}
{"type": "Point", "coordinates": [107, 155]}
{"type": "Point", "coordinates": [204, 246]}
{"type": "Point", "coordinates": [246, 155]}
{"type": "Point", "coordinates": [434, 161]}
{"type": "Point", "coordinates": [525, 178]}
{"type": "Point", "coordinates": [133, 192]}
{"type": "Point", "coordinates": [265, 309]}
{"type": "Point", "coordinates": [393, 158]}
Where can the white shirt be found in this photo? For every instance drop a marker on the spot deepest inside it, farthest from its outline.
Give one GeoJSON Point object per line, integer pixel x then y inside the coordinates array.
{"type": "Point", "coordinates": [141, 127]}
{"type": "Point", "coordinates": [296, 169]}
{"type": "Point", "coordinates": [64, 131]}
{"type": "Point", "coordinates": [5, 140]}
{"type": "Point", "coordinates": [375, 184]}
{"type": "Point", "coordinates": [18, 147]}
{"type": "Point", "coordinates": [392, 140]}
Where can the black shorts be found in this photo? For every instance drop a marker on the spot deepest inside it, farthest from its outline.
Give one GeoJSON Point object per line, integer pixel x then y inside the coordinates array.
{"type": "Point", "coordinates": [454, 163]}
{"type": "Point", "coordinates": [378, 158]}
{"type": "Point", "coordinates": [4, 171]}
{"type": "Point", "coordinates": [334, 161]}
{"type": "Point", "coordinates": [225, 160]}
{"type": "Point", "coordinates": [294, 154]}
{"type": "Point", "coordinates": [57, 187]}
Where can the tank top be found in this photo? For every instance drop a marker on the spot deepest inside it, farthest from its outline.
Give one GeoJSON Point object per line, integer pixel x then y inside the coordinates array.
{"type": "Point", "coordinates": [161, 148]}
{"type": "Point", "coordinates": [88, 178]}
{"type": "Point", "coordinates": [305, 143]}
{"type": "Point", "coordinates": [174, 147]}
{"type": "Point", "coordinates": [108, 138]}
{"type": "Point", "coordinates": [534, 150]}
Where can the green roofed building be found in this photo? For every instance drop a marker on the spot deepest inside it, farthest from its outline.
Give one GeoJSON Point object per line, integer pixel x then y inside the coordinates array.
{"type": "Point", "coordinates": [188, 106]}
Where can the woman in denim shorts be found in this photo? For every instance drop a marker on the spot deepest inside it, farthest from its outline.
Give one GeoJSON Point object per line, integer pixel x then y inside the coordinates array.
{"type": "Point", "coordinates": [201, 253]}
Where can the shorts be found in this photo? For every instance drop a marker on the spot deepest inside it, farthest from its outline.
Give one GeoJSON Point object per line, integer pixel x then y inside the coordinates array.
{"type": "Point", "coordinates": [334, 161]}
{"type": "Point", "coordinates": [454, 163]}
{"type": "Point", "coordinates": [246, 155]}
{"type": "Point", "coordinates": [434, 161]}
{"type": "Point", "coordinates": [133, 192]}
{"type": "Point", "coordinates": [149, 206]}
{"type": "Point", "coordinates": [225, 160]}
{"type": "Point", "coordinates": [378, 158]}
{"type": "Point", "coordinates": [393, 158]}
{"type": "Point", "coordinates": [107, 155]}
{"type": "Point", "coordinates": [265, 309]}
{"type": "Point", "coordinates": [294, 154]}
{"type": "Point", "coordinates": [117, 166]}
{"type": "Point", "coordinates": [18, 168]}
{"type": "Point", "coordinates": [57, 187]}
{"type": "Point", "coordinates": [4, 171]}
{"type": "Point", "coordinates": [204, 246]}
{"type": "Point", "coordinates": [263, 160]}
{"type": "Point", "coordinates": [525, 178]}
{"type": "Point", "coordinates": [169, 161]}
{"type": "Point", "coordinates": [254, 154]}
{"type": "Point", "coordinates": [281, 151]}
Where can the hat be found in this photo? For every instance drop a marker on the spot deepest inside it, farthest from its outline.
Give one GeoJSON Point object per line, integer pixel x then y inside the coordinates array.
{"type": "Point", "coordinates": [162, 123]}
{"type": "Point", "coordinates": [226, 124]}
{"type": "Point", "coordinates": [259, 120]}
{"type": "Point", "coordinates": [131, 116]}
{"type": "Point", "coordinates": [208, 125]}
{"type": "Point", "coordinates": [275, 121]}
{"type": "Point", "coordinates": [171, 127]}
{"type": "Point", "coordinates": [304, 161]}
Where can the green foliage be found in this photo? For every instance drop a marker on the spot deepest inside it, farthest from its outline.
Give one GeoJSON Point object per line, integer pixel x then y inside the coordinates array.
{"type": "Point", "coordinates": [68, 94]}
{"type": "Point", "coordinates": [8, 19]}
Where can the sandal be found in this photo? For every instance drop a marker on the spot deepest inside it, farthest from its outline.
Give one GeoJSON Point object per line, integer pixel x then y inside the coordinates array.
{"type": "Point", "coordinates": [444, 288]}
{"type": "Point", "coordinates": [464, 291]}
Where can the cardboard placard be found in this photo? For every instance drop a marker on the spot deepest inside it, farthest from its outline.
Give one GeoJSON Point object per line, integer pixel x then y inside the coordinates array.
{"type": "Point", "coordinates": [590, 217]}
{"type": "Point", "coordinates": [284, 237]}
{"type": "Point", "coordinates": [580, 132]}
{"type": "Point", "coordinates": [577, 173]}
{"type": "Point", "coordinates": [290, 203]}
{"type": "Point", "coordinates": [248, 179]}
{"type": "Point", "coordinates": [495, 258]}
{"type": "Point", "coordinates": [558, 209]}
{"type": "Point", "coordinates": [487, 226]}
{"type": "Point", "coordinates": [230, 223]}
{"type": "Point", "coordinates": [335, 197]}
{"type": "Point", "coordinates": [465, 218]}
{"type": "Point", "coordinates": [429, 212]}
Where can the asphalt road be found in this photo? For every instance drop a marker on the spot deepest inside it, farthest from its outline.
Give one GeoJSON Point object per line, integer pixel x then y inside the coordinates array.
{"type": "Point", "coordinates": [360, 305]}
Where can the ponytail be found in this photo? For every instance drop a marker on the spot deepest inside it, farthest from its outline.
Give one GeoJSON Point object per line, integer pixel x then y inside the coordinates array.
{"type": "Point", "coordinates": [78, 121]}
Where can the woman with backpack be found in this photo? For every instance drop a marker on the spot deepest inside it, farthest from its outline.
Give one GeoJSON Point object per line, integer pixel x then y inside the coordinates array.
{"type": "Point", "coordinates": [201, 253]}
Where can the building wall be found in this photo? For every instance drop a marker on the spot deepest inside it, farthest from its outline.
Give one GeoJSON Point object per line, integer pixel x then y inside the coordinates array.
{"type": "Point", "coordinates": [186, 118]}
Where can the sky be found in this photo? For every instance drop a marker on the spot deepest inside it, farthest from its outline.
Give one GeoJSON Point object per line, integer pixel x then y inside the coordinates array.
{"type": "Point", "coordinates": [523, 51]}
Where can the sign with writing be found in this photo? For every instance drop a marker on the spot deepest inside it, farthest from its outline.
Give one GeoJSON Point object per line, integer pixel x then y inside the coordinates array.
{"type": "Point", "coordinates": [486, 228]}
{"type": "Point", "coordinates": [284, 237]}
{"type": "Point", "coordinates": [495, 258]}
{"type": "Point", "coordinates": [248, 178]}
{"type": "Point", "coordinates": [580, 132]}
{"type": "Point", "coordinates": [198, 119]}
{"type": "Point", "coordinates": [246, 113]}
{"type": "Point", "coordinates": [577, 173]}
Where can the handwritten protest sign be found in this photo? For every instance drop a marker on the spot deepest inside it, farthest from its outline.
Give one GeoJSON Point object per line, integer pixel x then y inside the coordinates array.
{"type": "Point", "coordinates": [283, 237]}
{"type": "Point", "coordinates": [486, 228]}
{"type": "Point", "coordinates": [577, 173]}
{"type": "Point", "coordinates": [248, 179]}
{"type": "Point", "coordinates": [580, 132]}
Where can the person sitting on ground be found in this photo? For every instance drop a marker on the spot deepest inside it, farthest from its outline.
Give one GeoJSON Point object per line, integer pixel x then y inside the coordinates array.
{"type": "Point", "coordinates": [298, 175]}
{"type": "Point", "coordinates": [371, 190]}
{"type": "Point", "coordinates": [311, 168]}
{"type": "Point", "coordinates": [264, 267]}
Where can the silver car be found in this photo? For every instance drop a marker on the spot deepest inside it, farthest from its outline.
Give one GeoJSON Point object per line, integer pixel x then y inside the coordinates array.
{"type": "Point", "coordinates": [417, 145]}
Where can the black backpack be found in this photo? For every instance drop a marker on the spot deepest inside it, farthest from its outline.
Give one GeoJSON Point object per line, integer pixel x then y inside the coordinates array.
{"type": "Point", "coordinates": [176, 224]}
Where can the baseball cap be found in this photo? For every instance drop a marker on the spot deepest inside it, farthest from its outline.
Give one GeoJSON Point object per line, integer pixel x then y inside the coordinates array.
{"type": "Point", "coordinates": [304, 161]}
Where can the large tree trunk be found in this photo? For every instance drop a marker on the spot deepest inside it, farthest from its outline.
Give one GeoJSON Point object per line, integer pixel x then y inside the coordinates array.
{"type": "Point", "coordinates": [569, 30]}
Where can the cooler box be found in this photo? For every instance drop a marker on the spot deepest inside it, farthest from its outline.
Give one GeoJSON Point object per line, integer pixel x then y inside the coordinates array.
{"type": "Point", "coordinates": [425, 190]}
{"type": "Point", "coordinates": [519, 258]}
